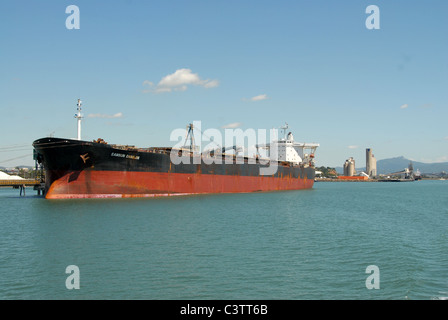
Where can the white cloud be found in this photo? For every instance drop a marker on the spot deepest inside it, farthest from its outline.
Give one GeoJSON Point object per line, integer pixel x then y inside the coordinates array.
{"type": "Point", "coordinates": [404, 106]}
{"type": "Point", "coordinates": [211, 83]}
{"type": "Point", "coordinates": [259, 97]}
{"type": "Point", "coordinates": [232, 125]}
{"type": "Point", "coordinates": [446, 138]}
{"type": "Point", "coordinates": [106, 116]}
{"type": "Point", "coordinates": [178, 81]}
{"type": "Point", "coordinates": [352, 147]}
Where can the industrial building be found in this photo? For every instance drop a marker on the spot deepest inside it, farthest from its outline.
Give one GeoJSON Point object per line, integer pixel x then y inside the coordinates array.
{"type": "Point", "coordinates": [370, 163]}
{"type": "Point", "coordinates": [349, 167]}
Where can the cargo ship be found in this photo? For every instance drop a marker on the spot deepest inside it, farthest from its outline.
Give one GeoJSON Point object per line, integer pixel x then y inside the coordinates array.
{"type": "Point", "coordinates": [75, 168]}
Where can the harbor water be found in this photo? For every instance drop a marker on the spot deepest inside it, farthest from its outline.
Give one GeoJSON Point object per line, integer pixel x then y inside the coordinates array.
{"type": "Point", "coordinates": [294, 245]}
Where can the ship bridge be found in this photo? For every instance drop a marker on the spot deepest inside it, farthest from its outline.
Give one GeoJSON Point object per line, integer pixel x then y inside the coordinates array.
{"type": "Point", "coordinates": [288, 150]}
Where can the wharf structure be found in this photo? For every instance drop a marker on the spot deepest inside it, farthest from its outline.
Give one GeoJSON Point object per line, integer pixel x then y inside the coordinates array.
{"type": "Point", "coordinates": [20, 183]}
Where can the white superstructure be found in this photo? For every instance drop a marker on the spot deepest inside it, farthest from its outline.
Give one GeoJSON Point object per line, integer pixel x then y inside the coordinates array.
{"type": "Point", "coordinates": [287, 150]}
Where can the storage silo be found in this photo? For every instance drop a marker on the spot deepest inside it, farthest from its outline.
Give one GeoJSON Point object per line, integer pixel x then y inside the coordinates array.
{"type": "Point", "coordinates": [370, 163]}
{"type": "Point", "coordinates": [349, 167]}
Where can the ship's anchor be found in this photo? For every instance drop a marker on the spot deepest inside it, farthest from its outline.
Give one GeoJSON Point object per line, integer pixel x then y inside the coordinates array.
{"type": "Point", "coordinates": [84, 157]}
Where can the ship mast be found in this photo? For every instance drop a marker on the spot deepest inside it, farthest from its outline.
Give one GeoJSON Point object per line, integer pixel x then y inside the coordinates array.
{"type": "Point", "coordinates": [79, 116]}
{"type": "Point", "coordinates": [284, 130]}
{"type": "Point", "coordinates": [191, 135]}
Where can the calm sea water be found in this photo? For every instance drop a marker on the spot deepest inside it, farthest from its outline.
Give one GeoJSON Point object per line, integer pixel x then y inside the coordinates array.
{"type": "Point", "coordinates": [313, 244]}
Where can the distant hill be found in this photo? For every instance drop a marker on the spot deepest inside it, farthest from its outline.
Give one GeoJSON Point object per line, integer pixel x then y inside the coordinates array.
{"type": "Point", "coordinates": [399, 163]}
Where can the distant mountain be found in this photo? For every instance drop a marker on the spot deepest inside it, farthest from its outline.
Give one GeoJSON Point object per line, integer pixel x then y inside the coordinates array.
{"type": "Point", "coordinates": [393, 165]}
{"type": "Point", "coordinates": [397, 164]}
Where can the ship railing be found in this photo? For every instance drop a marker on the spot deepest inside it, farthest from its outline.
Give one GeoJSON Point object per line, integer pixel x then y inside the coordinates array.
{"type": "Point", "coordinates": [124, 147]}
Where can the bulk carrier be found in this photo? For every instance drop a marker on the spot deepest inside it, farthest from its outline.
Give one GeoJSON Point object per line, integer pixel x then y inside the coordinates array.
{"type": "Point", "coordinates": [95, 169]}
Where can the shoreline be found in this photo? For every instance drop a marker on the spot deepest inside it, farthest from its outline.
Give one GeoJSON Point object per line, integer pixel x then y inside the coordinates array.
{"type": "Point", "coordinates": [370, 180]}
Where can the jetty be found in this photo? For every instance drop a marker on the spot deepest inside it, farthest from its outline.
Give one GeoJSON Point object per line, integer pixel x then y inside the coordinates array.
{"type": "Point", "coordinates": [23, 183]}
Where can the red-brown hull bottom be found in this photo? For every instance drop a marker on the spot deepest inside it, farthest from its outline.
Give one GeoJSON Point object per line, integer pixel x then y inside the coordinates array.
{"type": "Point", "coordinates": [122, 184]}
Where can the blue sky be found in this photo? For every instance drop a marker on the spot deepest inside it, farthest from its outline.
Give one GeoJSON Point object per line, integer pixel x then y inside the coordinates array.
{"type": "Point", "coordinates": [145, 68]}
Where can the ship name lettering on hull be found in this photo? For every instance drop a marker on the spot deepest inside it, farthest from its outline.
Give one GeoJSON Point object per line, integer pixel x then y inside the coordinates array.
{"type": "Point", "coordinates": [122, 155]}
